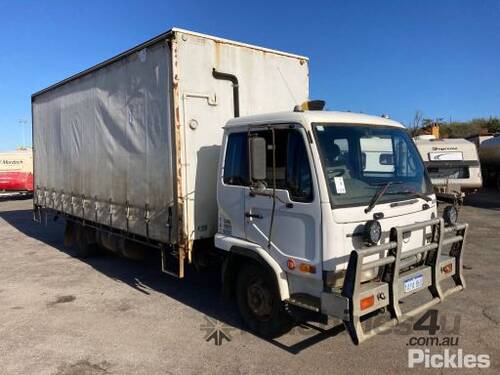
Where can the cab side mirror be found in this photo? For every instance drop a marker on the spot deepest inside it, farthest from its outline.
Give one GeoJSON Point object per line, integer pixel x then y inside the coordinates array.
{"type": "Point", "coordinates": [258, 159]}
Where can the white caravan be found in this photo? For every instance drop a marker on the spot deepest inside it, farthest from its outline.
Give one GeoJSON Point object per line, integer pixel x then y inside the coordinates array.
{"type": "Point", "coordinates": [453, 165]}
{"type": "Point", "coordinates": [312, 214]}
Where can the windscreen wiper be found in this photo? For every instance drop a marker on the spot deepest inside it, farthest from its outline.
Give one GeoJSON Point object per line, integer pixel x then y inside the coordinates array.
{"type": "Point", "coordinates": [379, 194]}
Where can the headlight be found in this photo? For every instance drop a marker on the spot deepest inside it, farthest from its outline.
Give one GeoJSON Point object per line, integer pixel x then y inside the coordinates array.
{"type": "Point", "coordinates": [450, 215]}
{"type": "Point", "coordinates": [372, 232]}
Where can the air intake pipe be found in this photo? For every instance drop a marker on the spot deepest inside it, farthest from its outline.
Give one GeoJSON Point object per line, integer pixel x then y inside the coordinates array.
{"type": "Point", "coordinates": [236, 91]}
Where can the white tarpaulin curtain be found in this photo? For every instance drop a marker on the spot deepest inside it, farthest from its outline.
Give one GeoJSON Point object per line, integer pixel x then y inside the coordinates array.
{"type": "Point", "coordinates": [103, 144]}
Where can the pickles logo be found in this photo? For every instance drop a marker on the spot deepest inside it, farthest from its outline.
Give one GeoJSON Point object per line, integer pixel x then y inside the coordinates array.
{"type": "Point", "coordinates": [451, 355]}
{"type": "Point", "coordinates": [216, 331]}
{"type": "Point", "coordinates": [447, 359]}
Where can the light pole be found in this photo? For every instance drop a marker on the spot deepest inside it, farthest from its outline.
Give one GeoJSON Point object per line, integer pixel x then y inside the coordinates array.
{"type": "Point", "coordinates": [23, 122]}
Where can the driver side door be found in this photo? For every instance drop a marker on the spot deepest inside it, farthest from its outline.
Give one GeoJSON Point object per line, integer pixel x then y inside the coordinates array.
{"type": "Point", "coordinates": [287, 226]}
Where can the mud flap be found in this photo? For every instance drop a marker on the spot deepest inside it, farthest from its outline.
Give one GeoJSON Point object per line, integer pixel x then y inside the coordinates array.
{"type": "Point", "coordinates": [70, 233]}
{"type": "Point", "coordinates": [172, 261]}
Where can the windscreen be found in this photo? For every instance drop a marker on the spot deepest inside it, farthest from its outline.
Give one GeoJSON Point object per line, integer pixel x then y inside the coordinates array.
{"type": "Point", "coordinates": [360, 159]}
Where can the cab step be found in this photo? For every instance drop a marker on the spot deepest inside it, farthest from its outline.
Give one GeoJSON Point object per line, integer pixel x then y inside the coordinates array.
{"type": "Point", "coordinates": [305, 301]}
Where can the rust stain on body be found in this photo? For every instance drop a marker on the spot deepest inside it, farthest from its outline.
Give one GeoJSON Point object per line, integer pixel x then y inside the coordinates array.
{"type": "Point", "coordinates": [182, 246]}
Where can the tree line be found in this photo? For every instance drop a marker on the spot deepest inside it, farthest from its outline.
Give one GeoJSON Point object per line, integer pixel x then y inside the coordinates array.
{"type": "Point", "coordinates": [454, 129]}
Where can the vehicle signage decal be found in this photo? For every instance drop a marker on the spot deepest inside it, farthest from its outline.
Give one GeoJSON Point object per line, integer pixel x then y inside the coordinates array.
{"type": "Point", "coordinates": [438, 156]}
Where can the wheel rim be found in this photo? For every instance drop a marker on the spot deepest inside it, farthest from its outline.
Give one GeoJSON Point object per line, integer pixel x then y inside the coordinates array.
{"type": "Point", "coordinates": [259, 298]}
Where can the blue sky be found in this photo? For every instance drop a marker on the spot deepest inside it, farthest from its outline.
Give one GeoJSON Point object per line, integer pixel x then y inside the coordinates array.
{"type": "Point", "coordinates": [441, 57]}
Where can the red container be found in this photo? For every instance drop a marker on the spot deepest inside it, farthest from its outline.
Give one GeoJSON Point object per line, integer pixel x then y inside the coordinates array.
{"type": "Point", "coordinates": [16, 181]}
{"type": "Point", "coordinates": [16, 171]}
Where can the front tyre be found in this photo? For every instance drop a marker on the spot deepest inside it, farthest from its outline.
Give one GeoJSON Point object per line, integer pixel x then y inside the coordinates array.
{"type": "Point", "coordinates": [259, 303]}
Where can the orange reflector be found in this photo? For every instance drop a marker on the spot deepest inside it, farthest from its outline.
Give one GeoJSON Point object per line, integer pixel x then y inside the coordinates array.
{"type": "Point", "coordinates": [367, 302]}
{"type": "Point", "coordinates": [447, 269]}
{"type": "Point", "coordinates": [291, 264]}
{"type": "Point", "coordinates": [304, 267]}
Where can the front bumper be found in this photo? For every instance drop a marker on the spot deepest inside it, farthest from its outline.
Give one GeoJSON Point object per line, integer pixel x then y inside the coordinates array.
{"type": "Point", "coordinates": [406, 273]}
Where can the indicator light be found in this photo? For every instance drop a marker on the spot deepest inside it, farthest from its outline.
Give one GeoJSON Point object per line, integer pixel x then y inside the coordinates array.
{"type": "Point", "coordinates": [366, 302]}
{"type": "Point", "coordinates": [304, 267]}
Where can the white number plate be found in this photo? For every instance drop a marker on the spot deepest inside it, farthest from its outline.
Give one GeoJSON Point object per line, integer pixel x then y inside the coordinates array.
{"type": "Point", "coordinates": [414, 283]}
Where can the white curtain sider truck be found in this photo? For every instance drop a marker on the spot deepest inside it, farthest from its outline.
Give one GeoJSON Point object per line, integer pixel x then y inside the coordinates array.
{"type": "Point", "coordinates": [194, 145]}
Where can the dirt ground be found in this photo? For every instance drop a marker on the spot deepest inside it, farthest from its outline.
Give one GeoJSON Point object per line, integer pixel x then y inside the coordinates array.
{"type": "Point", "coordinates": [109, 315]}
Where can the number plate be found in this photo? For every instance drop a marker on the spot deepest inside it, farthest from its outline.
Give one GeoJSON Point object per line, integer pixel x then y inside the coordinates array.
{"type": "Point", "coordinates": [414, 283]}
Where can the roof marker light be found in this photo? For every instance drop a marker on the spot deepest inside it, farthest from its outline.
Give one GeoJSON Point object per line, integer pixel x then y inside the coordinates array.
{"type": "Point", "coordinates": [311, 105]}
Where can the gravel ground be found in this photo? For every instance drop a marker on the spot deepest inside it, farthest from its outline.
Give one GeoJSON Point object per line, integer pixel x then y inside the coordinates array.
{"type": "Point", "coordinates": [108, 315]}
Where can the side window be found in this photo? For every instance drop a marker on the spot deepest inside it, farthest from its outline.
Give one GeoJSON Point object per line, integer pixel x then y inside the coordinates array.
{"type": "Point", "coordinates": [280, 139]}
{"type": "Point", "coordinates": [298, 172]}
{"type": "Point", "coordinates": [236, 163]}
{"type": "Point", "coordinates": [343, 147]}
{"type": "Point", "coordinates": [405, 163]}
{"type": "Point", "coordinates": [386, 159]}
{"type": "Point", "coordinates": [337, 153]}
{"type": "Point", "coordinates": [292, 170]}
{"type": "Point", "coordinates": [377, 154]}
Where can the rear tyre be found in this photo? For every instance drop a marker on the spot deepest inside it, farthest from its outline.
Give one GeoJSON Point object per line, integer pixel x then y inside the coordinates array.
{"type": "Point", "coordinates": [259, 303]}
{"type": "Point", "coordinates": [86, 245]}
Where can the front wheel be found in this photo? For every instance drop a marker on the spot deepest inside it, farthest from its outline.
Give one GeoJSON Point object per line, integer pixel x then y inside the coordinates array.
{"type": "Point", "coordinates": [259, 303]}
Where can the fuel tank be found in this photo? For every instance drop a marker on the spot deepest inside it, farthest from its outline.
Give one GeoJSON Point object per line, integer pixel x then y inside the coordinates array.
{"type": "Point", "coordinates": [489, 152]}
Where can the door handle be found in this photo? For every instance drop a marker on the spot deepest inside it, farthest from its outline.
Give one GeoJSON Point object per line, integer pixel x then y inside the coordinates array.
{"type": "Point", "coordinates": [253, 216]}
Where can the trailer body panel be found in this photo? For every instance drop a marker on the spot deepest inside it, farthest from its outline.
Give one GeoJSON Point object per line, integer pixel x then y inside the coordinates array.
{"type": "Point", "coordinates": [133, 143]}
{"type": "Point", "coordinates": [267, 82]}
{"type": "Point", "coordinates": [102, 145]}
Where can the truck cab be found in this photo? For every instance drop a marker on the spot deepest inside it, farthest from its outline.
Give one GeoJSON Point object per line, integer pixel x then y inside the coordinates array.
{"type": "Point", "coordinates": [333, 213]}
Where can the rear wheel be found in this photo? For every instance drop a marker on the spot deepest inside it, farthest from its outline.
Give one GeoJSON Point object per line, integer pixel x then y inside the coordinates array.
{"type": "Point", "coordinates": [259, 303]}
{"type": "Point", "coordinates": [86, 245]}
